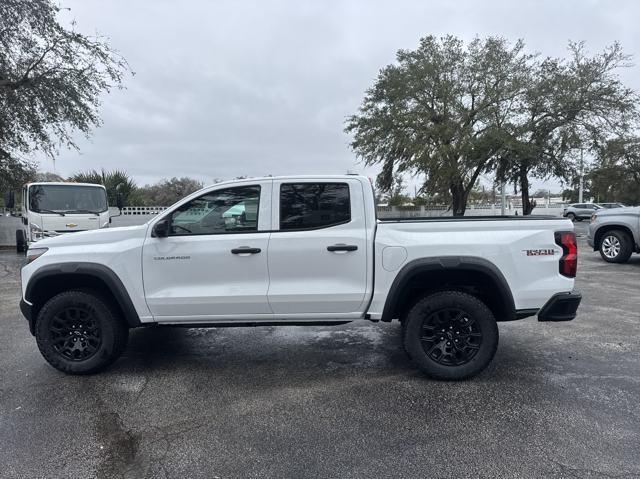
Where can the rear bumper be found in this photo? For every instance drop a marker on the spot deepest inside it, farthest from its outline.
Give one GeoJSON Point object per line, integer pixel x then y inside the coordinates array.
{"type": "Point", "coordinates": [561, 307]}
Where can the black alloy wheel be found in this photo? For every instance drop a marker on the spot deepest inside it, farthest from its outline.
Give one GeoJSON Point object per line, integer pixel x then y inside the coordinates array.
{"type": "Point", "coordinates": [75, 333]}
{"type": "Point", "coordinates": [451, 337]}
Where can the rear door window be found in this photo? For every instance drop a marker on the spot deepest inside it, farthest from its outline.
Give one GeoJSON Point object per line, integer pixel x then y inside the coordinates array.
{"type": "Point", "coordinates": [314, 205]}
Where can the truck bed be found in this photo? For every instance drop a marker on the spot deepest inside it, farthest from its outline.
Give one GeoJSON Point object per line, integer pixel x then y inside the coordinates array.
{"type": "Point", "coordinates": [522, 248]}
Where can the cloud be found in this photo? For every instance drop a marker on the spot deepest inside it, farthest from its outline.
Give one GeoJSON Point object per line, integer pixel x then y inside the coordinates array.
{"type": "Point", "coordinates": [224, 89]}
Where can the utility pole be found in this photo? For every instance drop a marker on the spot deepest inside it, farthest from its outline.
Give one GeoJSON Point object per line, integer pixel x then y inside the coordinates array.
{"type": "Point", "coordinates": [581, 190]}
{"type": "Point", "coordinates": [503, 197]}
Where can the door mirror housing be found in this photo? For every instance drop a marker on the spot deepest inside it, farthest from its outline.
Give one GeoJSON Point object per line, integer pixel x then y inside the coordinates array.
{"type": "Point", "coordinates": [9, 200]}
{"type": "Point", "coordinates": [161, 229]}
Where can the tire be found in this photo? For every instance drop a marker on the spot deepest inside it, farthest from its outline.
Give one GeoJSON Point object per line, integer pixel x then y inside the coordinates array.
{"type": "Point", "coordinates": [615, 246]}
{"type": "Point", "coordinates": [21, 241]}
{"type": "Point", "coordinates": [464, 318]}
{"type": "Point", "coordinates": [403, 329]}
{"type": "Point", "coordinates": [571, 216]}
{"type": "Point", "coordinates": [99, 334]}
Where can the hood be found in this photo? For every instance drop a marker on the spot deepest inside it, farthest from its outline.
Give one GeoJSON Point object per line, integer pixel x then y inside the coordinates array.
{"type": "Point", "coordinates": [69, 222]}
{"type": "Point", "coordinates": [94, 237]}
{"type": "Point", "coordinates": [625, 210]}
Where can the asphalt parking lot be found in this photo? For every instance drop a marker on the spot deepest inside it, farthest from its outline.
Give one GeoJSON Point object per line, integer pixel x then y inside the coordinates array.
{"type": "Point", "coordinates": [560, 400]}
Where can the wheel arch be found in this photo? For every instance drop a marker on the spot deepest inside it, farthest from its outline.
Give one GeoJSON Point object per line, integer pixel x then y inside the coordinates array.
{"type": "Point", "coordinates": [56, 278]}
{"type": "Point", "coordinates": [463, 273]}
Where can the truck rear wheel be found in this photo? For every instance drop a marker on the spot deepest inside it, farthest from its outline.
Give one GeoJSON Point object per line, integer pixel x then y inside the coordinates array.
{"type": "Point", "coordinates": [21, 241]}
{"type": "Point", "coordinates": [450, 335]}
{"type": "Point", "coordinates": [79, 332]}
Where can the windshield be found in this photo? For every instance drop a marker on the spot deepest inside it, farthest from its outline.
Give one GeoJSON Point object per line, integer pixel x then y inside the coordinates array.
{"type": "Point", "coordinates": [67, 198]}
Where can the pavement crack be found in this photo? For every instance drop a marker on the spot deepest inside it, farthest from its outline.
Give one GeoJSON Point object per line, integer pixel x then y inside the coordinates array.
{"type": "Point", "coordinates": [582, 473]}
{"type": "Point", "coordinates": [121, 445]}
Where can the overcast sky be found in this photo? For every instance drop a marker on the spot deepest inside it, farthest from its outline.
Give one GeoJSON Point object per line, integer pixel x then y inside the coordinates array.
{"type": "Point", "coordinates": [224, 89]}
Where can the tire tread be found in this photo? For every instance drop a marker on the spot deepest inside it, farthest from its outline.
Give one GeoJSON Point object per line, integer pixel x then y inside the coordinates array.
{"type": "Point", "coordinates": [120, 332]}
{"type": "Point", "coordinates": [434, 370]}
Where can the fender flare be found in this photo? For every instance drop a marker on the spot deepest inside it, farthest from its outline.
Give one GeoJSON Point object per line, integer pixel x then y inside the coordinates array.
{"type": "Point", "coordinates": [99, 271]}
{"type": "Point", "coordinates": [449, 263]}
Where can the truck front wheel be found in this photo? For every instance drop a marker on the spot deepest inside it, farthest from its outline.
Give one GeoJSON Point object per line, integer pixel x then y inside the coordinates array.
{"type": "Point", "coordinates": [616, 247]}
{"type": "Point", "coordinates": [21, 241]}
{"type": "Point", "coordinates": [79, 332]}
{"type": "Point", "coordinates": [450, 335]}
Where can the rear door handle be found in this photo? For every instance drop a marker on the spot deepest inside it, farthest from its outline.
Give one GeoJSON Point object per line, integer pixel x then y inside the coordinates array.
{"type": "Point", "coordinates": [342, 247]}
{"type": "Point", "coordinates": [245, 250]}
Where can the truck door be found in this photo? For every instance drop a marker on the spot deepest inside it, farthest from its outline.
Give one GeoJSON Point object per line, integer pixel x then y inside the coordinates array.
{"type": "Point", "coordinates": [213, 264]}
{"type": "Point", "coordinates": [318, 249]}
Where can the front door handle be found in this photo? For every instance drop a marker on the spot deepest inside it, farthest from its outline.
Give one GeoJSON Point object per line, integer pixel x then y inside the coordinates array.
{"type": "Point", "coordinates": [245, 250]}
{"type": "Point", "coordinates": [342, 247]}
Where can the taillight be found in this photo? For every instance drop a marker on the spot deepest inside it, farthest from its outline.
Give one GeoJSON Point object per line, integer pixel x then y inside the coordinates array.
{"type": "Point", "coordinates": [569, 260]}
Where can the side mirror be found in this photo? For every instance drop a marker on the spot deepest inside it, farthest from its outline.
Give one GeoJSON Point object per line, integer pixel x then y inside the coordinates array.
{"type": "Point", "coordinates": [161, 229]}
{"type": "Point", "coordinates": [119, 201]}
{"type": "Point", "coordinates": [9, 200]}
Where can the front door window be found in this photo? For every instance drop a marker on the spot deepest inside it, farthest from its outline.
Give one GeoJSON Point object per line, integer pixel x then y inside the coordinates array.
{"type": "Point", "coordinates": [232, 210]}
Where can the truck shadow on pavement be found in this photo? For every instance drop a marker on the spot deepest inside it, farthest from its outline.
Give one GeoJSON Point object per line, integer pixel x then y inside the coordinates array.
{"type": "Point", "coordinates": [255, 354]}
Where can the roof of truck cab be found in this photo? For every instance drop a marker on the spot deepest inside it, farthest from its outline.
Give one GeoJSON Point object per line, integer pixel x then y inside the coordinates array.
{"type": "Point", "coordinates": [62, 183]}
{"type": "Point", "coordinates": [291, 178]}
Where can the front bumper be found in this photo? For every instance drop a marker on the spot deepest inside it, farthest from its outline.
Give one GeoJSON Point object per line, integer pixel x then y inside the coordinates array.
{"type": "Point", "coordinates": [27, 312]}
{"type": "Point", "coordinates": [561, 307]}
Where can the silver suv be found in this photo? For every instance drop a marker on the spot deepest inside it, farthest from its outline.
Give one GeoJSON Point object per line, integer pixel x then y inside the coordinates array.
{"type": "Point", "coordinates": [580, 211]}
{"type": "Point", "coordinates": [615, 233]}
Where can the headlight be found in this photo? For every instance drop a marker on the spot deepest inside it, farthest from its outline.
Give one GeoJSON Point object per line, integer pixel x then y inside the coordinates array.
{"type": "Point", "coordinates": [594, 217]}
{"type": "Point", "coordinates": [36, 232]}
{"type": "Point", "coordinates": [34, 253]}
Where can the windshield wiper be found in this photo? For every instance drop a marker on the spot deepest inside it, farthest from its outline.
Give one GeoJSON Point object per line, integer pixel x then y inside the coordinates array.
{"type": "Point", "coordinates": [42, 210]}
{"type": "Point", "coordinates": [83, 211]}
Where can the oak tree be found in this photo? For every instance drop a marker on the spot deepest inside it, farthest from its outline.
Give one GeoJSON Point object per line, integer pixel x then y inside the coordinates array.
{"type": "Point", "coordinates": [579, 102]}
{"type": "Point", "coordinates": [51, 81]}
{"type": "Point", "coordinates": [439, 110]}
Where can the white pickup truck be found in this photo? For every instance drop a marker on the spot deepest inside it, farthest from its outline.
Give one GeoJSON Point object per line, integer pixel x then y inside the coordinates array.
{"type": "Point", "coordinates": [302, 250]}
